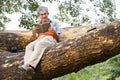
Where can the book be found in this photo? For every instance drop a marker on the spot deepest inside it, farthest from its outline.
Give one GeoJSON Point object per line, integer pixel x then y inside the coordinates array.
{"type": "Point", "coordinates": [43, 28]}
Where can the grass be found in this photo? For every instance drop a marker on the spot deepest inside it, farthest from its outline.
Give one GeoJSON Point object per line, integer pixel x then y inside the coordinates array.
{"type": "Point", "coordinates": [100, 71]}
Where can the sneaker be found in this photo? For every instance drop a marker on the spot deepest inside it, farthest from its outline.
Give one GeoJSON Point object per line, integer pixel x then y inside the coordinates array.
{"type": "Point", "coordinates": [20, 73]}
{"type": "Point", "coordinates": [21, 68]}
{"type": "Point", "coordinates": [25, 74]}
{"type": "Point", "coordinates": [30, 71]}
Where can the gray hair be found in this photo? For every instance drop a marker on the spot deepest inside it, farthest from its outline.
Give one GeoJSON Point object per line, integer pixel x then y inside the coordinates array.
{"type": "Point", "coordinates": [42, 8]}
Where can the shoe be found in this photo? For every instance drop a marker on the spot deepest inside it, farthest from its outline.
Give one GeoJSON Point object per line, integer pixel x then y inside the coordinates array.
{"type": "Point", "coordinates": [25, 74]}
{"type": "Point", "coordinates": [30, 71]}
{"type": "Point", "coordinates": [21, 68]}
{"type": "Point", "coordinates": [20, 73]}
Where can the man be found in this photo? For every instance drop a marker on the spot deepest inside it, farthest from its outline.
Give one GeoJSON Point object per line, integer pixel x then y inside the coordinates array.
{"type": "Point", "coordinates": [35, 49]}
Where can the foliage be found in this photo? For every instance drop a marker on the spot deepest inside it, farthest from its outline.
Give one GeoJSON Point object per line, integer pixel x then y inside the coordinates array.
{"type": "Point", "coordinates": [108, 9]}
{"type": "Point", "coordinates": [115, 70]}
{"type": "Point", "coordinates": [9, 6]}
{"type": "Point", "coordinates": [71, 12]}
{"type": "Point", "coordinates": [28, 14]}
{"type": "Point", "coordinates": [74, 12]}
{"type": "Point", "coordinates": [26, 7]}
{"type": "Point", "coordinates": [108, 70]}
{"type": "Point", "coordinates": [3, 20]}
{"type": "Point", "coordinates": [78, 12]}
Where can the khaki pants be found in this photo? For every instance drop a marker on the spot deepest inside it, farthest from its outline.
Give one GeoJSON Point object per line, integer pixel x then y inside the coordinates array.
{"type": "Point", "coordinates": [35, 50]}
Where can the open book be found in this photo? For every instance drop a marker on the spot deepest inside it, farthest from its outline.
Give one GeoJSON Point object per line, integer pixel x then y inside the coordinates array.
{"type": "Point", "coordinates": [43, 28]}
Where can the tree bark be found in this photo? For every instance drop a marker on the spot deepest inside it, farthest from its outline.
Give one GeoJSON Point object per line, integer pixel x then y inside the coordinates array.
{"type": "Point", "coordinates": [19, 39]}
{"type": "Point", "coordinates": [74, 54]}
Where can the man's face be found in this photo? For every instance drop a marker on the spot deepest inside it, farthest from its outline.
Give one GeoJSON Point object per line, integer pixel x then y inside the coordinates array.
{"type": "Point", "coordinates": [43, 15]}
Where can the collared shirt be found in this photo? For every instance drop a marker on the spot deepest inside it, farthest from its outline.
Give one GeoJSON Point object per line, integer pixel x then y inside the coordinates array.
{"type": "Point", "coordinates": [55, 25]}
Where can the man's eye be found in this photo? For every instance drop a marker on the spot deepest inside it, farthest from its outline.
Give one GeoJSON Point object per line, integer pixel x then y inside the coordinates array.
{"type": "Point", "coordinates": [43, 14]}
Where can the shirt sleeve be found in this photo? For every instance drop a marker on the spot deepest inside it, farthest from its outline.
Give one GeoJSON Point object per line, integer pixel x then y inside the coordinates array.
{"type": "Point", "coordinates": [56, 27]}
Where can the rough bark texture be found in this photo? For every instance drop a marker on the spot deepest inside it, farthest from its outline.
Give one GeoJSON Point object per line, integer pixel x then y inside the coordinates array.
{"type": "Point", "coordinates": [20, 39]}
{"type": "Point", "coordinates": [73, 54]}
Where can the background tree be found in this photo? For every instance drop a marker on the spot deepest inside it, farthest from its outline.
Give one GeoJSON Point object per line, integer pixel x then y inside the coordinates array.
{"type": "Point", "coordinates": [26, 7]}
{"type": "Point", "coordinates": [77, 12]}
{"type": "Point", "coordinates": [7, 6]}
{"type": "Point", "coordinates": [74, 12]}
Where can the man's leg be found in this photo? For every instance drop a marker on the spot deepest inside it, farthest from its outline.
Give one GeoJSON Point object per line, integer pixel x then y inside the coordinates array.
{"type": "Point", "coordinates": [28, 52]}
{"type": "Point", "coordinates": [39, 50]}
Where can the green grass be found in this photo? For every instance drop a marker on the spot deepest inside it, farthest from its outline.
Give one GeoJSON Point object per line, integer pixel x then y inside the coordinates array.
{"type": "Point", "coordinates": [108, 70]}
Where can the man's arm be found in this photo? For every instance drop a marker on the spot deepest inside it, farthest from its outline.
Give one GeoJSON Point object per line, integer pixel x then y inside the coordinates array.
{"type": "Point", "coordinates": [34, 33]}
{"type": "Point", "coordinates": [56, 35]}
{"type": "Point", "coordinates": [58, 30]}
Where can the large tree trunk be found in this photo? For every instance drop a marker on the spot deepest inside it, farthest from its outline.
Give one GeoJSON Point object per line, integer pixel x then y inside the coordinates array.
{"type": "Point", "coordinates": [74, 54]}
{"type": "Point", "coordinates": [19, 39]}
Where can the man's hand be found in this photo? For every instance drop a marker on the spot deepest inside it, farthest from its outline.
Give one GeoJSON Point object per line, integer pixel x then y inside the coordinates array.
{"type": "Point", "coordinates": [56, 35]}
{"type": "Point", "coordinates": [34, 32]}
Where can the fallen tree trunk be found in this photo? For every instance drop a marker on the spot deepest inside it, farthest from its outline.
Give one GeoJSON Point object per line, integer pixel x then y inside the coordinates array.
{"type": "Point", "coordinates": [74, 54]}
{"type": "Point", "coordinates": [20, 39]}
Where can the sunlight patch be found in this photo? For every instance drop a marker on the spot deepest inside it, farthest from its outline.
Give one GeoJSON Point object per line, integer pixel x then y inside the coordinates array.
{"type": "Point", "coordinates": [10, 64]}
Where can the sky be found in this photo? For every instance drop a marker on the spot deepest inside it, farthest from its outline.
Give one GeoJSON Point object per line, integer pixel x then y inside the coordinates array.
{"type": "Point", "coordinates": [13, 24]}
{"type": "Point", "coordinates": [118, 7]}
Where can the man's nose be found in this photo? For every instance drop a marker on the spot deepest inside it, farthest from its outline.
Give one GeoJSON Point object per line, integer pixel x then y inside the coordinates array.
{"type": "Point", "coordinates": [44, 16]}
